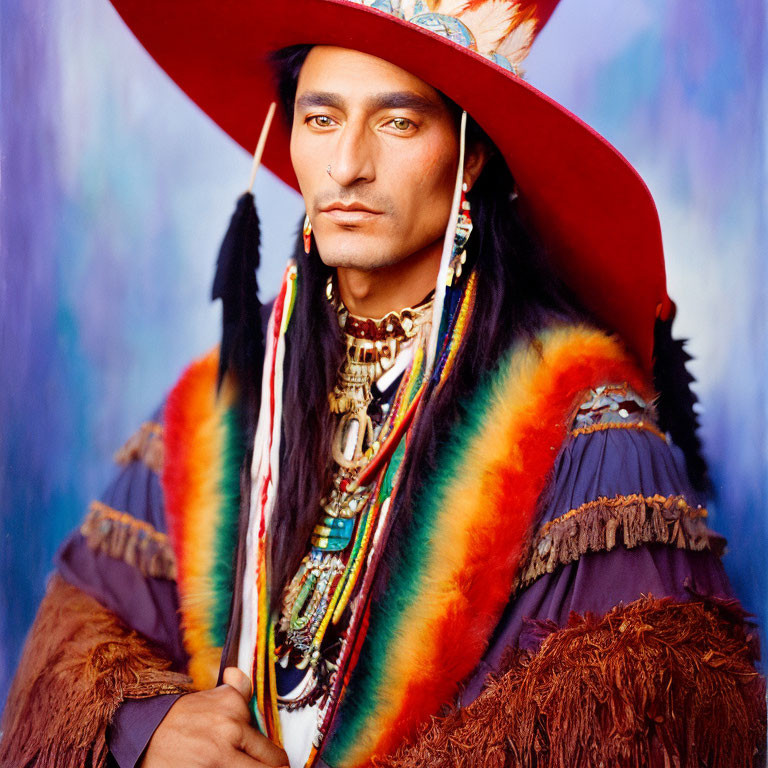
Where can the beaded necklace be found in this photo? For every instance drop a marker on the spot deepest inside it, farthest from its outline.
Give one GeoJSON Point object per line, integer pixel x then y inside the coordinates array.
{"type": "Point", "coordinates": [372, 348]}
{"type": "Point", "coordinates": [335, 628]}
{"type": "Point", "coordinates": [317, 596]}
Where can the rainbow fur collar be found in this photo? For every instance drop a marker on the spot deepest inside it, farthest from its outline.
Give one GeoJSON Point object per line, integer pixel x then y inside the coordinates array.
{"type": "Point", "coordinates": [458, 560]}
{"type": "Point", "coordinates": [201, 485]}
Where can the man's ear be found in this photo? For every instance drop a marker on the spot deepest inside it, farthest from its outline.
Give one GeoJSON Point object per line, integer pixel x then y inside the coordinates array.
{"type": "Point", "coordinates": [475, 159]}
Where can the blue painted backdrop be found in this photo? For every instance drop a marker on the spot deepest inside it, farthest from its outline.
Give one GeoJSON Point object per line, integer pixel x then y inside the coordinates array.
{"type": "Point", "coordinates": [116, 191]}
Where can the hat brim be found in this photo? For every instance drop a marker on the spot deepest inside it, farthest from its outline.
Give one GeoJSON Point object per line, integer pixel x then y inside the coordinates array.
{"type": "Point", "coordinates": [587, 202]}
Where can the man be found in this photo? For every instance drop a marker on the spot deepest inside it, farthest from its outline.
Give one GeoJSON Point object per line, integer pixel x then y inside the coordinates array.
{"type": "Point", "coordinates": [450, 455]}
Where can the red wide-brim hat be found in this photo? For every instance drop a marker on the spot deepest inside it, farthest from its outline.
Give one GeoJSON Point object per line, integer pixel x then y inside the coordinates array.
{"type": "Point", "coordinates": [588, 204]}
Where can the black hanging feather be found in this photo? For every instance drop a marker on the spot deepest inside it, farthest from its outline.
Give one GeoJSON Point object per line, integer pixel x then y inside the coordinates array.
{"type": "Point", "coordinates": [676, 400]}
{"type": "Point", "coordinates": [241, 354]}
{"type": "Point", "coordinates": [242, 348]}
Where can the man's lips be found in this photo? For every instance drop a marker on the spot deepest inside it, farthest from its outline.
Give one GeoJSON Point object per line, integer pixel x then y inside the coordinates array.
{"type": "Point", "coordinates": [349, 213]}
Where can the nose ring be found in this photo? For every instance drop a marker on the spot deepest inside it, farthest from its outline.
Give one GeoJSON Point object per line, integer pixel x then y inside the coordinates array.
{"type": "Point", "coordinates": [328, 170]}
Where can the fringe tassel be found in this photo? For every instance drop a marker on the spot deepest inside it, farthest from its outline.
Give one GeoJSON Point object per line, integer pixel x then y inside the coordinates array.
{"type": "Point", "coordinates": [597, 526]}
{"type": "Point", "coordinates": [145, 445]}
{"type": "Point", "coordinates": [79, 663]}
{"type": "Point", "coordinates": [653, 683]}
{"type": "Point", "coordinates": [642, 425]}
{"type": "Point", "coordinates": [133, 541]}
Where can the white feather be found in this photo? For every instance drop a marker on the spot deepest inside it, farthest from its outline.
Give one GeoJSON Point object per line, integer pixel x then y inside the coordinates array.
{"type": "Point", "coordinates": [516, 46]}
{"type": "Point", "coordinates": [490, 23]}
{"type": "Point", "coordinates": [449, 7]}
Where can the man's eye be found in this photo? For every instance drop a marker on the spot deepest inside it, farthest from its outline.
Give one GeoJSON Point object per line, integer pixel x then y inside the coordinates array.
{"type": "Point", "coordinates": [401, 123]}
{"type": "Point", "coordinates": [322, 121]}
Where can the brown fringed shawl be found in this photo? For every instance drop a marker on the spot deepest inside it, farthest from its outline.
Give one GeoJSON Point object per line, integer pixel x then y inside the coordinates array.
{"type": "Point", "coordinates": [79, 663]}
{"type": "Point", "coordinates": [652, 683]}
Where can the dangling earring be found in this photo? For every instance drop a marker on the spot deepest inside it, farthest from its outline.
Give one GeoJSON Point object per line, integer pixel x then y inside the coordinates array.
{"type": "Point", "coordinates": [307, 234]}
{"type": "Point", "coordinates": [463, 231]}
{"type": "Point", "coordinates": [464, 227]}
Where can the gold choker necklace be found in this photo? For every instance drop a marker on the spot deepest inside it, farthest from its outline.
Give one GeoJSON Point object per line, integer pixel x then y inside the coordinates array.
{"type": "Point", "coordinates": [371, 348]}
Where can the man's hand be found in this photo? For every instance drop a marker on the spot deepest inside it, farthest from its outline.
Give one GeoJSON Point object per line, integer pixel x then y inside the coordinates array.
{"type": "Point", "coordinates": [212, 729]}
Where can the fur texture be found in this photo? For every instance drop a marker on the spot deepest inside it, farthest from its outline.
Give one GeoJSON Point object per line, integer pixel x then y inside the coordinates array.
{"type": "Point", "coordinates": [459, 562]}
{"type": "Point", "coordinates": [201, 482]}
{"type": "Point", "coordinates": [79, 663]}
{"type": "Point", "coordinates": [462, 552]}
{"type": "Point", "coordinates": [653, 683]}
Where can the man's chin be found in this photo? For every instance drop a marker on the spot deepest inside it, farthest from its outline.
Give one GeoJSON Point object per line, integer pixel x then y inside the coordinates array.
{"type": "Point", "coordinates": [365, 260]}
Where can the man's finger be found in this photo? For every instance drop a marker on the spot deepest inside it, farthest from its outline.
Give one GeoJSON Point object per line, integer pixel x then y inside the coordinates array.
{"type": "Point", "coordinates": [241, 760]}
{"type": "Point", "coordinates": [262, 749]}
{"type": "Point", "coordinates": [239, 681]}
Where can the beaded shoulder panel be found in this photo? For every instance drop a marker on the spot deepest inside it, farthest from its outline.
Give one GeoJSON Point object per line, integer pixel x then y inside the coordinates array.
{"type": "Point", "coordinates": [614, 405]}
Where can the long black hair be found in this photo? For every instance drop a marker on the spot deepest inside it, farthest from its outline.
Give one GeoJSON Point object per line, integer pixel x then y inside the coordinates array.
{"type": "Point", "coordinates": [517, 294]}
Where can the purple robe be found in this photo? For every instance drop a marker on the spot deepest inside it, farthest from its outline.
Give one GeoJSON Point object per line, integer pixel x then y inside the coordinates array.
{"type": "Point", "coordinates": [603, 463]}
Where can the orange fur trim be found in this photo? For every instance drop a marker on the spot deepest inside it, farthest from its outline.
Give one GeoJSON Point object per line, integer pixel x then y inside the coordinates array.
{"type": "Point", "coordinates": [192, 483]}
{"type": "Point", "coordinates": [483, 520]}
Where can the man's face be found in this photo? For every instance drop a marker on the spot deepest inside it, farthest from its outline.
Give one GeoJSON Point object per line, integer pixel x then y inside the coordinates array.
{"type": "Point", "coordinates": [392, 147]}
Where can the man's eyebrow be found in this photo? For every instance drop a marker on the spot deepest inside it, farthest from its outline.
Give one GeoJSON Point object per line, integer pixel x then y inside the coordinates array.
{"type": "Point", "coordinates": [402, 100]}
{"type": "Point", "coordinates": [320, 99]}
{"type": "Point", "coordinates": [389, 100]}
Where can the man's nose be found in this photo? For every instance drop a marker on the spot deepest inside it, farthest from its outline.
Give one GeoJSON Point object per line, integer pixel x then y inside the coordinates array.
{"type": "Point", "coordinates": [353, 161]}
